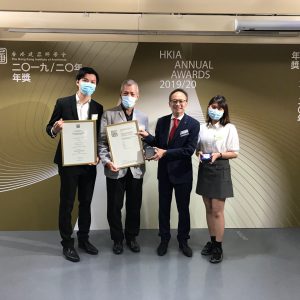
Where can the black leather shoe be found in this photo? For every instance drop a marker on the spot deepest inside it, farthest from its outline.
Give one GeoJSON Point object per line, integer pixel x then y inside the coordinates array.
{"type": "Point", "coordinates": [71, 254]}
{"type": "Point", "coordinates": [217, 255]}
{"type": "Point", "coordinates": [207, 250]}
{"type": "Point", "coordinates": [87, 247]}
{"type": "Point", "coordinates": [118, 247]}
{"type": "Point", "coordinates": [133, 245]}
{"type": "Point", "coordinates": [186, 250]}
{"type": "Point", "coordinates": [162, 248]}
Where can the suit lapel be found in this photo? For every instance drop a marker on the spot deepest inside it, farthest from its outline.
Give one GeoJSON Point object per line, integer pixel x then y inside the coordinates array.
{"type": "Point", "coordinates": [122, 114]}
{"type": "Point", "coordinates": [74, 108]}
{"type": "Point", "coordinates": [91, 109]}
{"type": "Point", "coordinates": [166, 129]}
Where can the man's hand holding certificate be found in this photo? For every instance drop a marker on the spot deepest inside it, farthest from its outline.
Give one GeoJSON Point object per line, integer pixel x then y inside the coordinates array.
{"type": "Point", "coordinates": [125, 144]}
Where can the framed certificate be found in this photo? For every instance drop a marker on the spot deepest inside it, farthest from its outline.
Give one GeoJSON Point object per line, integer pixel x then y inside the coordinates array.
{"type": "Point", "coordinates": [125, 145]}
{"type": "Point", "coordinates": [79, 143]}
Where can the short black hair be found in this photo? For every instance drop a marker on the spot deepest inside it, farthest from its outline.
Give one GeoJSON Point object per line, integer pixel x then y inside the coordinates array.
{"type": "Point", "coordinates": [179, 90]}
{"type": "Point", "coordinates": [87, 70]}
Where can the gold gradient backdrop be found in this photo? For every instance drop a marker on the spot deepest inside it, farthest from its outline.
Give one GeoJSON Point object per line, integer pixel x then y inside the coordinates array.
{"type": "Point", "coordinates": [29, 185]}
{"type": "Point", "coordinates": [262, 91]}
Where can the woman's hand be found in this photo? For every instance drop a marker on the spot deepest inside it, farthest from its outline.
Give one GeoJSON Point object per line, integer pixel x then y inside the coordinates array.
{"type": "Point", "coordinates": [215, 156]}
{"type": "Point", "coordinates": [199, 154]}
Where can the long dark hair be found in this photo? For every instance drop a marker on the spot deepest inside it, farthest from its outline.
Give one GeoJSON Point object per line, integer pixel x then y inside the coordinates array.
{"type": "Point", "coordinates": [221, 101]}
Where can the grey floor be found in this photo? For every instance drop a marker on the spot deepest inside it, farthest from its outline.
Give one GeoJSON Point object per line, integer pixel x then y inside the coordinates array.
{"type": "Point", "coordinates": [258, 264]}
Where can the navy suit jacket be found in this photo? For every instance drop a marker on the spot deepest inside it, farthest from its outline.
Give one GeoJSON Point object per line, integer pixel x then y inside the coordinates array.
{"type": "Point", "coordinates": [66, 109]}
{"type": "Point", "coordinates": [176, 165]}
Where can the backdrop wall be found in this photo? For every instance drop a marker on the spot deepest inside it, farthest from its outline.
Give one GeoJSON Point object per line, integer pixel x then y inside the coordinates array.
{"type": "Point", "coordinates": [261, 83]}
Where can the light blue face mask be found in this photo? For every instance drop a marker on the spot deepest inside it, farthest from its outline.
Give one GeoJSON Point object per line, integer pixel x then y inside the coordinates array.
{"type": "Point", "coordinates": [128, 101]}
{"type": "Point", "coordinates": [215, 114]}
{"type": "Point", "coordinates": [87, 88]}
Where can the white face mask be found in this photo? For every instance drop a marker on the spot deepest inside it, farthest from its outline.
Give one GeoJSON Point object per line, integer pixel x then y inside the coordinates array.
{"type": "Point", "coordinates": [128, 101]}
{"type": "Point", "coordinates": [215, 114]}
{"type": "Point", "coordinates": [87, 88]}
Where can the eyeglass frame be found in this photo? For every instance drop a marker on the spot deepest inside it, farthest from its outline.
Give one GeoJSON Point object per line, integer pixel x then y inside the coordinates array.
{"type": "Point", "coordinates": [180, 101]}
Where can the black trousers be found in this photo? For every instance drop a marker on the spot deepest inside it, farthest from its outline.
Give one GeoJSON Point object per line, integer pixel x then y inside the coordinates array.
{"type": "Point", "coordinates": [182, 195]}
{"type": "Point", "coordinates": [73, 178]}
{"type": "Point", "coordinates": [116, 189]}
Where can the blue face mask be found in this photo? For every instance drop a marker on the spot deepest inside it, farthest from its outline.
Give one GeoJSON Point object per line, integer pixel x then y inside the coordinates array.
{"type": "Point", "coordinates": [87, 88]}
{"type": "Point", "coordinates": [128, 101]}
{"type": "Point", "coordinates": [215, 114]}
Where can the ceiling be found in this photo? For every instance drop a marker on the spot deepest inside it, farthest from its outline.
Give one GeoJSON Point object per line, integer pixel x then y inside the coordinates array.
{"type": "Point", "coordinates": [200, 21]}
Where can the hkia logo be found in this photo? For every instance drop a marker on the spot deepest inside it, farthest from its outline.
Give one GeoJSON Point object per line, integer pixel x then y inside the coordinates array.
{"type": "Point", "coordinates": [3, 56]}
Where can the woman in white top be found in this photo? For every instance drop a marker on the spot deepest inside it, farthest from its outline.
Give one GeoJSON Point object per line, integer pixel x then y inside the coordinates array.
{"type": "Point", "coordinates": [218, 142]}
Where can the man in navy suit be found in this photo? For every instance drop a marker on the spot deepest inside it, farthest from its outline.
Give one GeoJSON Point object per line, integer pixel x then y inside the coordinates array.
{"type": "Point", "coordinates": [175, 140]}
{"type": "Point", "coordinates": [82, 177]}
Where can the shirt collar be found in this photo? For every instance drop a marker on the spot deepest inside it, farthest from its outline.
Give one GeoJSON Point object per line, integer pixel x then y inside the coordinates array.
{"type": "Point", "coordinates": [124, 109]}
{"type": "Point", "coordinates": [217, 125]}
{"type": "Point", "coordinates": [78, 100]}
{"type": "Point", "coordinates": [179, 118]}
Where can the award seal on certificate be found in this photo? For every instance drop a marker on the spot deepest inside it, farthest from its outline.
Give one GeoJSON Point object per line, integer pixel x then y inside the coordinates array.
{"type": "Point", "coordinates": [125, 145]}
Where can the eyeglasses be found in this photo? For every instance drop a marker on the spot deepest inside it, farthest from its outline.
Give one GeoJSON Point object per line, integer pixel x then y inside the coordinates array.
{"type": "Point", "coordinates": [179, 101]}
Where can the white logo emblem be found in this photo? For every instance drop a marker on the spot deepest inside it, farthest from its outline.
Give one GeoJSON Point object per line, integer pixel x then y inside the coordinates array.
{"type": "Point", "coordinates": [3, 56]}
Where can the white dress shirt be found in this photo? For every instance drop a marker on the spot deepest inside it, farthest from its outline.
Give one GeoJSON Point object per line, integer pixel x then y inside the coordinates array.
{"type": "Point", "coordinates": [82, 109]}
{"type": "Point", "coordinates": [218, 138]}
{"type": "Point", "coordinates": [172, 121]}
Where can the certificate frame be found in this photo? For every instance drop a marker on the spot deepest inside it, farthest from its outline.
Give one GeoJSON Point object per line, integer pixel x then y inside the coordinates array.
{"type": "Point", "coordinates": [126, 147]}
{"type": "Point", "coordinates": [78, 142]}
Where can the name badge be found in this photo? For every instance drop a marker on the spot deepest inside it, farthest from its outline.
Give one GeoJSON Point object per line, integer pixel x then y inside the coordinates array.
{"type": "Point", "coordinates": [94, 116]}
{"type": "Point", "coordinates": [184, 132]}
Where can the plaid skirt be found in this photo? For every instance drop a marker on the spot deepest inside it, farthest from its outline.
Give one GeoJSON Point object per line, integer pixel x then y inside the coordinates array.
{"type": "Point", "coordinates": [214, 180]}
